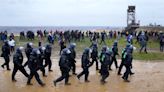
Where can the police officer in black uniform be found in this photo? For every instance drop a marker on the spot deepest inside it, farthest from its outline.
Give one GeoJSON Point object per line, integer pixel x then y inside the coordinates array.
{"type": "Point", "coordinates": [64, 67]}
{"type": "Point", "coordinates": [48, 57]}
{"type": "Point", "coordinates": [115, 53]}
{"type": "Point", "coordinates": [128, 62]}
{"type": "Point", "coordinates": [33, 66]}
{"type": "Point", "coordinates": [94, 55]}
{"type": "Point", "coordinates": [105, 66]}
{"type": "Point", "coordinates": [6, 55]}
{"type": "Point", "coordinates": [41, 60]}
{"type": "Point", "coordinates": [130, 47]}
{"type": "Point", "coordinates": [18, 60]}
{"type": "Point", "coordinates": [123, 59]}
{"type": "Point", "coordinates": [72, 57]}
{"type": "Point", "coordinates": [102, 54]}
{"type": "Point", "coordinates": [28, 51]}
{"type": "Point", "coordinates": [85, 64]}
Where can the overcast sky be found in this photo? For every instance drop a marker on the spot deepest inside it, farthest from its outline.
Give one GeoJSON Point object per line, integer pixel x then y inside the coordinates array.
{"type": "Point", "coordinates": [78, 12]}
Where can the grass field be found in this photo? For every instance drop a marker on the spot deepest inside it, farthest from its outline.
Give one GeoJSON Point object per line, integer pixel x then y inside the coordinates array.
{"type": "Point", "coordinates": [153, 47]}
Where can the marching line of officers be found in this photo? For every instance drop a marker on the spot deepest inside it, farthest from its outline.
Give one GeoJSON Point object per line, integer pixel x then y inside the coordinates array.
{"type": "Point", "coordinates": [39, 58]}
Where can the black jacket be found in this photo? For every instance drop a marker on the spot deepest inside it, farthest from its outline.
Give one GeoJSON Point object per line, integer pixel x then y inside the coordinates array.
{"type": "Point", "coordinates": [94, 53]}
{"type": "Point", "coordinates": [5, 51]}
{"type": "Point", "coordinates": [64, 62]}
{"type": "Point", "coordinates": [28, 50]}
{"type": "Point", "coordinates": [18, 59]}
{"type": "Point", "coordinates": [48, 53]}
{"type": "Point", "coordinates": [33, 62]}
{"type": "Point", "coordinates": [128, 59]}
{"type": "Point", "coordinates": [85, 61]}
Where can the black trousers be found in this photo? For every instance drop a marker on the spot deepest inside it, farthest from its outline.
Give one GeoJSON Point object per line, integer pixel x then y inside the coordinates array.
{"type": "Point", "coordinates": [104, 73]}
{"type": "Point", "coordinates": [7, 60]}
{"type": "Point", "coordinates": [115, 62]}
{"type": "Point", "coordinates": [42, 68]}
{"type": "Point", "coordinates": [21, 69]}
{"type": "Point", "coordinates": [73, 67]}
{"type": "Point", "coordinates": [97, 64]}
{"type": "Point", "coordinates": [48, 62]}
{"type": "Point", "coordinates": [26, 63]}
{"type": "Point", "coordinates": [33, 72]}
{"type": "Point", "coordinates": [65, 75]}
{"type": "Point", "coordinates": [84, 72]}
{"type": "Point", "coordinates": [120, 67]}
{"type": "Point", "coordinates": [127, 72]}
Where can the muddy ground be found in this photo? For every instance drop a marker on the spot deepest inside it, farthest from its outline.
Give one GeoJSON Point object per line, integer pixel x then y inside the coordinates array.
{"type": "Point", "coordinates": [149, 77]}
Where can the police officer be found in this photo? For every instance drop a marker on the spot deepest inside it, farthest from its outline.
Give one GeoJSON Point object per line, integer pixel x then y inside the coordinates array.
{"type": "Point", "coordinates": [102, 53]}
{"type": "Point", "coordinates": [33, 66]}
{"type": "Point", "coordinates": [64, 67]}
{"type": "Point", "coordinates": [28, 50]}
{"type": "Point", "coordinates": [105, 66]}
{"type": "Point", "coordinates": [115, 53]}
{"type": "Point", "coordinates": [128, 62]}
{"type": "Point", "coordinates": [5, 54]}
{"type": "Point", "coordinates": [123, 59]}
{"type": "Point", "coordinates": [41, 59]}
{"type": "Point", "coordinates": [94, 55]}
{"type": "Point", "coordinates": [124, 52]}
{"type": "Point", "coordinates": [85, 64]}
{"type": "Point", "coordinates": [72, 57]}
{"type": "Point", "coordinates": [18, 60]}
{"type": "Point", "coordinates": [48, 57]}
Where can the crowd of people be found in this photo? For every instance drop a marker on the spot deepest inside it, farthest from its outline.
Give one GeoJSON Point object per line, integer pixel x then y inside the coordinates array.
{"type": "Point", "coordinates": [39, 58]}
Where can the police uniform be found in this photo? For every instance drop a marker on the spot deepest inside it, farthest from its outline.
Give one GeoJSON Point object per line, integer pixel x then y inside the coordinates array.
{"type": "Point", "coordinates": [18, 60]}
{"type": "Point", "coordinates": [5, 54]}
{"type": "Point", "coordinates": [105, 66]}
{"type": "Point", "coordinates": [85, 64]}
{"type": "Point", "coordinates": [64, 67]}
{"type": "Point", "coordinates": [72, 57]}
{"type": "Point", "coordinates": [41, 59]}
{"type": "Point", "coordinates": [28, 51]}
{"type": "Point", "coordinates": [48, 57]}
{"type": "Point", "coordinates": [115, 52]}
{"type": "Point", "coordinates": [94, 55]}
{"type": "Point", "coordinates": [33, 66]}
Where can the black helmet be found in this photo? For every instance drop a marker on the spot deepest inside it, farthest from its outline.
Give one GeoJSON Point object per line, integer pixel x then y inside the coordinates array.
{"type": "Point", "coordinates": [30, 44]}
{"type": "Point", "coordinates": [19, 49]}
{"type": "Point", "coordinates": [87, 50]}
{"type": "Point", "coordinates": [6, 42]}
{"type": "Point", "coordinates": [72, 45]}
{"type": "Point", "coordinates": [41, 49]}
{"type": "Point", "coordinates": [35, 52]}
{"type": "Point", "coordinates": [66, 51]}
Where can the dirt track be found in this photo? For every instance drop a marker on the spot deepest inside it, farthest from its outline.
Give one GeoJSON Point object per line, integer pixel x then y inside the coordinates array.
{"type": "Point", "coordinates": [149, 77]}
